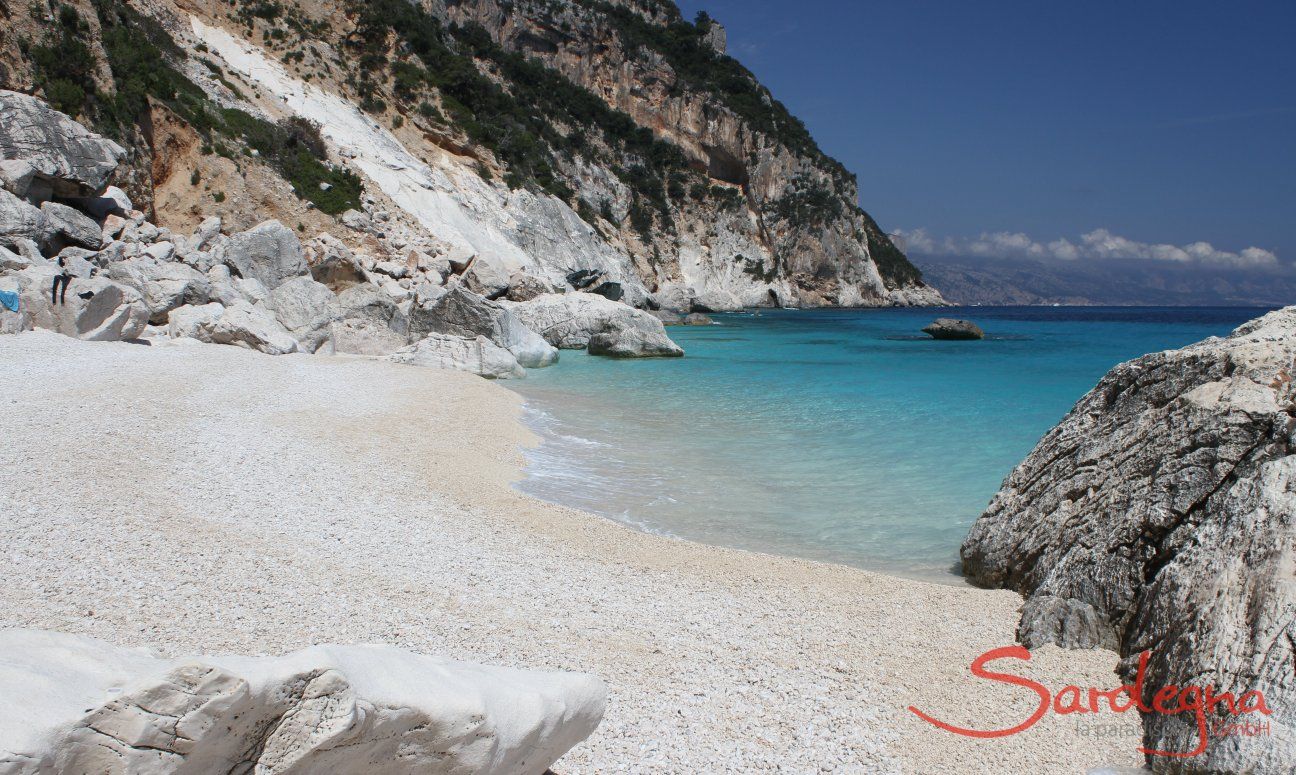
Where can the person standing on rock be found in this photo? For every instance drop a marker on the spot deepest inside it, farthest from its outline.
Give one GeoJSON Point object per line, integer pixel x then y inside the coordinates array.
{"type": "Point", "coordinates": [64, 278]}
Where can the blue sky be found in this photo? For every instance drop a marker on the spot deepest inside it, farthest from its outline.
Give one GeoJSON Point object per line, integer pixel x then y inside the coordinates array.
{"type": "Point", "coordinates": [1154, 124]}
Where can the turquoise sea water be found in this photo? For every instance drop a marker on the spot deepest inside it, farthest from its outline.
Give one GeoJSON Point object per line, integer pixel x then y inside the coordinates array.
{"type": "Point", "coordinates": [838, 435]}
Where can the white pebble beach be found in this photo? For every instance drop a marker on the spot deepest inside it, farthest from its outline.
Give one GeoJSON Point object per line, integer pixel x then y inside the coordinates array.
{"type": "Point", "coordinates": [206, 499]}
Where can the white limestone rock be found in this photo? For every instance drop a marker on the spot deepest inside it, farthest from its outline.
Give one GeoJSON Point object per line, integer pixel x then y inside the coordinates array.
{"type": "Point", "coordinates": [370, 322]}
{"type": "Point", "coordinates": [240, 324]}
{"type": "Point", "coordinates": [307, 309]}
{"type": "Point", "coordinates": [92, 707]}
{"type": "Point", "coordinates": [74, 161]}
{"type": "Point", "coordinates": [487, 277]}
{"type": "Point", "coordinates": [163, 285]}
{"type": "Point", "coordinates": [477, 355]}
{"type": "Point", "coordinates": [460, 312]}
{"type": "Point", "coordinates": [269, 253]}
{"type": "Point", "coordinates": [93, 309]}
{"type": "Point", "coordinates": [571, 320]}
{"type": "Point", "coordinates": [1160, 515]}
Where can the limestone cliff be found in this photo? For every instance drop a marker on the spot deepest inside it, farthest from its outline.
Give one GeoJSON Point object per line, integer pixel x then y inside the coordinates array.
{"type": "Point", "coordinates": [607, 137]}
{"type": "Point", "coordinates": [1159, 516]}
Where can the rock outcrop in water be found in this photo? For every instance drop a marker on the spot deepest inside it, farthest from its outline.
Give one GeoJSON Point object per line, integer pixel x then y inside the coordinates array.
{"type": "Point", "coordinates": [94, 708]}
{"type": "Point", "coordinates": [949, 328]}
{"type": "Point", "coordinates": [1160, 515]}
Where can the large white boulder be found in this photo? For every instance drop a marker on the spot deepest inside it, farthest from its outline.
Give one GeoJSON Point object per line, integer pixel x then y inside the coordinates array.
{"type": "Point", "coordinates": [164, 285]}
{"type": "Point", "coordinates": [458, 311]}
{"type": "Point", "coordinates": [571, 320]}
{"type": "Point", "coordinates": [88, 706]}
{"type": "Point", "coordinates": [477, 355]}
{"type": "Point", "coordinates": [70, 159]}
{"type": "Point", "coordinates": [239, 324]}
{"type": "Point", "coordinates": [307, 309]}
{"type": "Point", "coordinates": [269, 253]}
{"type": "Point", "coordinates": [93, 309]}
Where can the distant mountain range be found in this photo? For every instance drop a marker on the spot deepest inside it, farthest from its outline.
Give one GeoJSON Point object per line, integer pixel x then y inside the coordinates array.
{"type": "Point", "coordinates": [1113, 282]}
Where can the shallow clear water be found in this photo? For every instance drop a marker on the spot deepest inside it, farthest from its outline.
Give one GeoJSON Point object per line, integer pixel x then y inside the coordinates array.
{"type": "Point", "coordinates": [839, 435]}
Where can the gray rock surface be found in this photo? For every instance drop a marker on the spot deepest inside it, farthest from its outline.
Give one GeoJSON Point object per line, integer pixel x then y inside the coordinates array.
{"type": "Point", "coordinates": [487, 276]}
{"type": "Point", "coordinates": [370, 322]}
{"type": "Point", "coordinates": [72, 159]}
{"type": "Point", "coordinates": [571, 320]}
{"type": "Point", "coordinates": [66, 226]}
{"type": "Point", "coordinates": [460, 312]}
{"type": "Point", "coordinates": [240, 324]}
{"type": "Point", "coordinates": [20, 221]}
{"type": "Point", "coordinates": [307, 309]}
{"type": "Point", "coordinates": [524, 286]}
{"type": "Point", "coordinates": [269, 253]}
{"type": "Point", "coordinates": [94, 309]}
{"type": "Point", "coordinates": [93, 707]}
{"type": "Point", "coordinates": [949, 328]}
{"type": "Point", "coordinates": [1160, 515]}
{"type": "Point", "coordinates": [163, 285]}
{"type": "Point", "coordinates": [477, 355]}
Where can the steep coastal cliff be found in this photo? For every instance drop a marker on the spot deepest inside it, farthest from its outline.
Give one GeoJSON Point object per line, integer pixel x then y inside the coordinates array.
{"type": "Point", "coordinates": [612, 138]}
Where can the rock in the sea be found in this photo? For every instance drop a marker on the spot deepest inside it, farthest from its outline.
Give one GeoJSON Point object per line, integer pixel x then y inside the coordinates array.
{"type": "Point", "coordinates": [307, 309]}
{"type": "Point", "coordinates": [240, 324]}
{"type": "Point", "coordinates": [570, 321]}
{"type": "Point", "coordinates": [93, 309]}
{"type": "Point", "coordinates": [163, 285]}
{"type": "Point", "coordinates": [460, 312]}
{"type": "Point", "coordinates": [269, 253]}
{"type": "Point", "coordinates": [667, 317]}
{"type": "Point", "coordinates": [949, 328]}
{"type": "Point", "coordinates": [698, 319]}
{"type": "Point", "coordinates": [71, 159]}
{"type": "Point", "coordinates": [94, 707]}
{"type": "Point", "coordinates": [477, 355]}
{"type": "Point", "coordinates": [1160, 515]}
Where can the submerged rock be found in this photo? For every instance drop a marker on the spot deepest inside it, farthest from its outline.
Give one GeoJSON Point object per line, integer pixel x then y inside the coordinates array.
{"type": "Point", "coordinates": [949, 328]}
{"type": "Point", "coordinates": [92, 707]}
{"type": "Point", "coordinates": [1160, 515]}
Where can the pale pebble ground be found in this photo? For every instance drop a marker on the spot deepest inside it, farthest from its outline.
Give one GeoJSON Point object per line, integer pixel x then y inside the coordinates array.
{"type": "Point", "coordinates": [198, 498]}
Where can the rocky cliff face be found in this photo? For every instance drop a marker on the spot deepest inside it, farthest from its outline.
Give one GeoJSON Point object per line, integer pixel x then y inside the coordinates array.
{"type": "Point", "coordinates": [554, 136]}
{"type": "Point", "coordinates": [1160, 515]}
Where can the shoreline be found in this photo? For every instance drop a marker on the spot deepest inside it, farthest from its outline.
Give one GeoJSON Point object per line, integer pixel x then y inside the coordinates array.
{"type": "Point", "coordinates": [527, 419]}
{"type": "Point", "coordinates": [199, 498]}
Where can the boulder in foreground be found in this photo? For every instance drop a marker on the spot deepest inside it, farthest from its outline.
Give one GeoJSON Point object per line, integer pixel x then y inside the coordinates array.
{"type": "Point", "coordinates": [92, 707]}
{"type": "Point", "coordinates": [949, 328]}
{"type": "Point", "coordinates": [1160, 515]}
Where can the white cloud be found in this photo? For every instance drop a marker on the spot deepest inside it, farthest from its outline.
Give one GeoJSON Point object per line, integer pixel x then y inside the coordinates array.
{"type": "Point", "coordinates": [1097, 244]}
